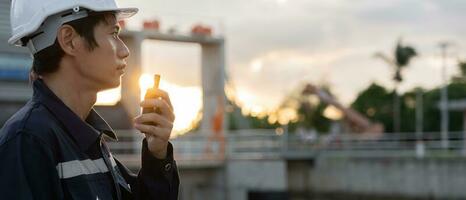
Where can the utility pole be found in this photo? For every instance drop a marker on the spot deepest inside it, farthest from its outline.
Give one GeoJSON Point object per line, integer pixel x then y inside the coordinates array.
{"type": "Point", "coordinates": [419, 112]}
{"type": "Point", "coordinates": [444, 96]}
{"type": "Point", "coordinates": [420, 148]}
{"type": "Point", "coordinates": [396, 110]}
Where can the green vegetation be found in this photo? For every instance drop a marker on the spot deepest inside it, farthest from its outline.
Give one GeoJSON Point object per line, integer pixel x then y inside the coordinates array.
{"type": "Point", "coordinates": [377, 98]}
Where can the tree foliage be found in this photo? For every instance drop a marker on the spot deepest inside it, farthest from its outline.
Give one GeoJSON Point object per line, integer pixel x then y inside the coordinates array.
{"type": "Point", "coordinates": [375, 103]}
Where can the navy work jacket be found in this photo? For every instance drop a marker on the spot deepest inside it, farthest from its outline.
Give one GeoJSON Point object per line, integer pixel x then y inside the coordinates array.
{"type": "Point", "coordinates": [47, 152]}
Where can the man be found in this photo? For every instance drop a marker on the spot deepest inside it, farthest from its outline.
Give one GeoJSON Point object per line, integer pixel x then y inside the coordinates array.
{"type": "Point", "coordinates": [53, 148]}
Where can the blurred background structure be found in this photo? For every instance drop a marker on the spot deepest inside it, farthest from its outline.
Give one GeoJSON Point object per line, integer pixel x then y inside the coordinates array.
{"type": "Point", "coordinates": [289, 99]}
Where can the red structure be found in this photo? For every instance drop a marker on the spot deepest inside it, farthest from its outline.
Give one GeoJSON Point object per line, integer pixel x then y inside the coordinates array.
{"type": "Point", "coordinates": [200, 29]}
{"type": "Point", "coordinates": [151, 25]}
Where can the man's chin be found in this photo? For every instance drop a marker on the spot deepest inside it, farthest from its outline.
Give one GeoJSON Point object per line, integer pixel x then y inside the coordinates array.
{"type": "Point", "coordinates": [111, 85]}
{"type": "Point", "coordinates": [115, 85]}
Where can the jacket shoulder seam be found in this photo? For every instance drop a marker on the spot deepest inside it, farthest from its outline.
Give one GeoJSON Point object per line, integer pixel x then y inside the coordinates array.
{"type": "Point", "coordinates": [26, 117]}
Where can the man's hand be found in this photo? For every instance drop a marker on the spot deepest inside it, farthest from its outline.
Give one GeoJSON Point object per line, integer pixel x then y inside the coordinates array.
{"type": "Point", "coordinates": [157, 134]}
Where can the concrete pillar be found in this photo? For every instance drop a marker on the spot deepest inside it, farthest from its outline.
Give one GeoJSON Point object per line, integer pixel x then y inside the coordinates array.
{"type": "Point", "coordinates": [464, 133]}
{"type": "Point", "coordinates": [213, 83]}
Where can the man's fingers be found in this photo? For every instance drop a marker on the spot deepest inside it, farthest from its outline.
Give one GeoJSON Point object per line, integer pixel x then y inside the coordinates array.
{"type": "Point", "coordinates": [155, 131]}
{"type": "Point", "coordinates": [158, 93]}
{"type": "Point", "coordinates": [164, 95]}
{"type": "Point", "coordinates": [165, 109]}
{"type": "Point", "coordinates": [154, 118]}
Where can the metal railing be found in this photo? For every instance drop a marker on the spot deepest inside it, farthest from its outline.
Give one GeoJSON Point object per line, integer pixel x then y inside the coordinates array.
{"type": "Point", "coordinates": [202, 149]}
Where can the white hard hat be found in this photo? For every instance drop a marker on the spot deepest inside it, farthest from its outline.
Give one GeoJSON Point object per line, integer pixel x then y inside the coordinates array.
{"type": "Point", "coordinates": [28, 18]}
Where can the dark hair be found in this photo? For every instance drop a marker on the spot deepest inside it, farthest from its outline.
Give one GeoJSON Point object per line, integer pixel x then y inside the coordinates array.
{"type": "Point", "coordinates": [47, 60]}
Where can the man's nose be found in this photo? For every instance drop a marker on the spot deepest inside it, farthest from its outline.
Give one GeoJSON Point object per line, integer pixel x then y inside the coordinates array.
{"type": "Point", "coordinates": [123, 51]}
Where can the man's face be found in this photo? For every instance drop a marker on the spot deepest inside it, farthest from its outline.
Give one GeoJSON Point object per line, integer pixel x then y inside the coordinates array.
{"type": "Point", "coordinates": [102, 67]}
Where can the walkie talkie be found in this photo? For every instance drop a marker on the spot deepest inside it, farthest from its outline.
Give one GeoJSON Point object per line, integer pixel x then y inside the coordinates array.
{"type": "Point", "coordinates": [151, 94]}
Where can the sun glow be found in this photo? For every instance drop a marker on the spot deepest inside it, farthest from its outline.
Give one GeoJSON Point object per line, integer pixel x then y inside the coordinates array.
{"type": "Point", "coordinates": [109, 97]}
{"type": "Point", "coordinates": [333, 113]}
{"type": "Point", "coordinates": [186, 101]}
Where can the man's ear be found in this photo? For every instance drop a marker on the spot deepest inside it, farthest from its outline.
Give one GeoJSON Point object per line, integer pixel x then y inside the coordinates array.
{"type": "Point", "coordinates": [69, 39]}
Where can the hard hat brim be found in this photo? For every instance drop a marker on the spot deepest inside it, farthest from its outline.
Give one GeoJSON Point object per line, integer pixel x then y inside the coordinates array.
{"type": "Point", "coordinates": [124, 13]}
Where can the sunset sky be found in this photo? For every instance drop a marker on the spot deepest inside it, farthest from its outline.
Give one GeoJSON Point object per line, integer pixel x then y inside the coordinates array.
{"type": "Point", "coordinates": [273, 46]}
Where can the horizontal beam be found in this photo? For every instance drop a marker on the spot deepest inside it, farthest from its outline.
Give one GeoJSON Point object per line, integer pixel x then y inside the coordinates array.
{"type": "Point", "coordinates": [156, 35]}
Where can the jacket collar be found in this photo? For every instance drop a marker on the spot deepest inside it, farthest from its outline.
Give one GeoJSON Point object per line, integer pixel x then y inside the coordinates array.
{"type": "Point", "coordinates": [85, 133]}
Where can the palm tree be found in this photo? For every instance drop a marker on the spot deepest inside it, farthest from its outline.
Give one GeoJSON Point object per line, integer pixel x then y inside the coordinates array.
{"type": "Point", "coordinates": [461, 78]}
{"type": "Point", "coordinates": [403, 54]}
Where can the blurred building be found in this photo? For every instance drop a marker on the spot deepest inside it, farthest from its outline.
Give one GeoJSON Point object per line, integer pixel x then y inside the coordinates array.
{"type": "Point", "coordinates": [15, 64]}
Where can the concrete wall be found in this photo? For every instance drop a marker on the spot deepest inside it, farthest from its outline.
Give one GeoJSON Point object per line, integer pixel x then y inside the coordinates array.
{"type": "Point", "coordinates": [244, 176]}
{"type": "Point", "coordinates": [202, 183]}
{"type": "Point", "coordinates": [234, 180]}
{"type": "Point", "coordinates": [335, 177]}
{"type": "Point", "coordinates": [433, 178]}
